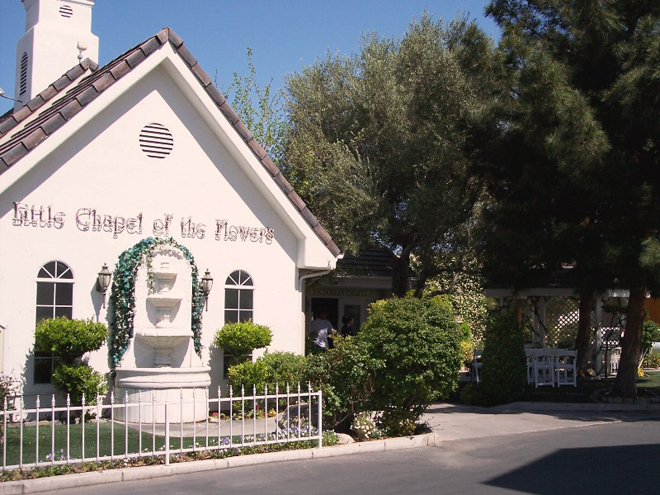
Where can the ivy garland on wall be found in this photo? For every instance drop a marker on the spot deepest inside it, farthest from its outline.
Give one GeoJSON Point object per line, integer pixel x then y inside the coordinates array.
{"type": "Point", "coordinates": [122, 295]}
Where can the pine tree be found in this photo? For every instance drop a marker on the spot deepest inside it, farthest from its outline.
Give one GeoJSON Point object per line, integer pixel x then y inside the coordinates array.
{"type": "Point", "coordinates": [582, 114]}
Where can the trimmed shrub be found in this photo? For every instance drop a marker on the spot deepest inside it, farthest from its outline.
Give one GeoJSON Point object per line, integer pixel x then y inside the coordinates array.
{"type": "Point", "coordinates": [277, 368]}
{"type": "Point", "coordinates": [239, 339]}
{"type": "Point", "coordinates": [417, 344]}
{"type": "Point", "coordinates": [78, 379]}
{"type": "Point", "coordinates": [248, 374]}
{"type": "Point", "coordinates": [346, 375]}
{"type": "Point", "coordinates": [70, 339]}
{"type": "Point", "coordinates": [503, 374]}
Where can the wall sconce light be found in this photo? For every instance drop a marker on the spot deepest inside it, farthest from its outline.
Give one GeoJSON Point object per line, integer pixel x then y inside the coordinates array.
{"type": "Point", "coordinates": [103, 281]}
{"type": "Point", "coordinates": [207, 285]}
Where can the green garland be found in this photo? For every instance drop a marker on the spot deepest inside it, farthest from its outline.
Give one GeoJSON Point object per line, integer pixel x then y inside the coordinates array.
{"type": "Point", "coordinates": [122, 295]}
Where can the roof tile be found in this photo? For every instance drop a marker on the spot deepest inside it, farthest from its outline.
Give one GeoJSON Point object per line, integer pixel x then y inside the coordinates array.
{"type": "Point", "coordinates": [74, 72]}
{"type": "Point", "coordinates": [257, 149]}
{"type": "Point", "coordinates": [174, 38]}
{"type": "Point", "coordinates": [232, 117]}
{"type": "Point", "coordinates": [270, 166]}
{"type": "Point", "coordinates": [202, 75]}
{"type": "Point", "coordinates": [35, 103]}
{"type": "Point", "coordinates": [243, 131]}
{"type": "Point", "coordinates": [309, 216]}
{"type": "Point", "coordinates": [150, 46]}
{"type": "Point", "coordinates": [70, 109]}
{"type": "Point", "coordinates": [216, 95]}
{"type": "Point", "coordinates": [13, 155]}
{"type": "Point", "coordinates": [163, 36]}
{"type": "Point", "coordinates": [322, 233]}
{"type": "Point", "coordinates": [135, 58]}
{"type": "Point", "coordinates": [120, 70]}
{"type": "Point", "coordinates": [284, 184]}
{"type": "Point", "coordinates": [187, 56]}
{"type": "Point", "coordinates": [103, 82]}
{"type": "Point", "coordinates": [7, 125]}
{"type": "Point", "coordinates": [61, 83]}
{"type": "Point", "coordinates": [53, 123]}
{"type": "Point", "coordinates": [86, 96]}
{"type": "Point", "coordinates": [22, 113]}
{"type": "Point", "coordinates": [34, 138]}
{"type": "Point", "coordinates": [48, 93]}
{"type": "Point", "coordinates": [297, 200]}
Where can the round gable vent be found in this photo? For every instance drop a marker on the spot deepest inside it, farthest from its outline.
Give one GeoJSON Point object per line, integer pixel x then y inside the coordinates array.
{"type": "Point", "coordinates": [156, 140]}
{"type": "Point", "coordinates": [66, 11]}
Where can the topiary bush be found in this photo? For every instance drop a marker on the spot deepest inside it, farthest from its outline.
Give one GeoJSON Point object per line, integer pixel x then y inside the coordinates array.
{"type": "Point", "coordinates": [69, 339]}
{"type": "Point", "coordinates": [241, 338]}
{"type": "Point", "coordinates": [417, 344]}
{"type": "Point", "coordinates": [78, 379]}
{"type": "Point", "coordinates": [504, 371]}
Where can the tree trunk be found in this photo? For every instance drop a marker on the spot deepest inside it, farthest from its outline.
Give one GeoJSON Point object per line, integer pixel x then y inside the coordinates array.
{"type": "Point", "coordinates": [400, 273]}
{"type": "Point", "coordinates": [584, 330]}
{"type": "Point", "coordinates": [625, 384]}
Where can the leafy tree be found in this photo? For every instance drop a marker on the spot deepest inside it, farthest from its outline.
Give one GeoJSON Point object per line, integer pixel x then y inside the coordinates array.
{"type": "Point", "coordinates": [378, 142]}
{"type": "Point", "coordinates": [578, 147]}
{"type": "Point", "coordinates": [259, 108]}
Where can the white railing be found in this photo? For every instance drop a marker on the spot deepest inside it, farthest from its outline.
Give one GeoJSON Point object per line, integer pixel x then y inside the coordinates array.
{"type": "Point", "coordinates": [52, 434]}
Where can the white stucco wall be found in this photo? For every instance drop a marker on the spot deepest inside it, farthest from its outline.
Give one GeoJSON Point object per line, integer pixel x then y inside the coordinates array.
{"type": "Point", "coordinates": [101, 167]}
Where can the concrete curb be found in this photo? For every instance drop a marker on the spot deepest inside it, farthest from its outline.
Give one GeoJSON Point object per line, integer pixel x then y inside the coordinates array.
{"type": "Point", "coordinates": [149, 472]}
{"type": "Point", "coordinates": [576, 407]}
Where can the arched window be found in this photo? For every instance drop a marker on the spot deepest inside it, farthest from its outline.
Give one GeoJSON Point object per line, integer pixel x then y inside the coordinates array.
{"type": "Point", "coordinates": [54, 298]}
{"type": "Point", "coordinates": [239, 301]}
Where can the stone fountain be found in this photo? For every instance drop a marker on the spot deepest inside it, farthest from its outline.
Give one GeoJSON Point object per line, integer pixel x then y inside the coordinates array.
{"type": "Point", "coordinates": [160, 363]}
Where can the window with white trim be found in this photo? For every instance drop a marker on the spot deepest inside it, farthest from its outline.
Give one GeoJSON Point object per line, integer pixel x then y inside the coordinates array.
{"type": "Point", "coordinates": [54, 298]}
{"type": "Point", "coordinates": [239, 300]}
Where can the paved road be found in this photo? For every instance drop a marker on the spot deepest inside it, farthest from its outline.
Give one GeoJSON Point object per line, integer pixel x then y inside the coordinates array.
{"type": "Point", "coordinates": [616, 458]}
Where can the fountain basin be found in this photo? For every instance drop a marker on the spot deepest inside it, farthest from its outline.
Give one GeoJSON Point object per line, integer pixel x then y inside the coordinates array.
{"type": "Point", "coordinates": [147, 390]}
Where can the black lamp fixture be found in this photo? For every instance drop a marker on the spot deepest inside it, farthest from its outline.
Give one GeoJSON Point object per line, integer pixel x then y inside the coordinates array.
{"type": "Point", "coordinates": [103, 281]}
{"type": "Point", "coordinates": [207, 285]}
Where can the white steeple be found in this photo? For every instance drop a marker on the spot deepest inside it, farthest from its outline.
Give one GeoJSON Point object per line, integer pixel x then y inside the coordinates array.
{"type": "Point", "coordinates": [56, 33]}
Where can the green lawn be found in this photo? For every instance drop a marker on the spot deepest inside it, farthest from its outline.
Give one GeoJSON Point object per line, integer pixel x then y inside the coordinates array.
{"type": "Point", "coordinates": [106, 447]}
{"type": "Point", "coordinates": [582, 393]}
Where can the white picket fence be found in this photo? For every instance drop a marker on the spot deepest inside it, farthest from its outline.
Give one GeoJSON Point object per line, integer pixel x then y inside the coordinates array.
{"type": "Point", "coordinates": [52, 434]}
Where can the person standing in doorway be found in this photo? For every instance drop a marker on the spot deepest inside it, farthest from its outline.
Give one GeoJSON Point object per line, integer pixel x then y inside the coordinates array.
{"type": "Point", "coordinates": [320, 329]}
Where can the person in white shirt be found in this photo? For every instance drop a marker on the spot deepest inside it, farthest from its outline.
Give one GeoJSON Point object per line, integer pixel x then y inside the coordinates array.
{"type": "Point", "coordinates": [320, 329]}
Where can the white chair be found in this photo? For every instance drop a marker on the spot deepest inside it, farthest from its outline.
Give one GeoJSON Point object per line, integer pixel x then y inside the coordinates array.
{"type": "Point", "coordinates": [529, 355]}
{"type": "Point", "coordinates": [566, 367]}
{"type": "Point", "coordinates": [476, 364]}
{"type": "Point", "coordinates": [613, 361]}
{"type": "Point", "coordinates": [543, 367]}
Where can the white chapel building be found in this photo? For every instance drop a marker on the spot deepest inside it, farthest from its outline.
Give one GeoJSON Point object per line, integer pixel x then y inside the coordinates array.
{"type": "Point", "coordinates": [94, 160]}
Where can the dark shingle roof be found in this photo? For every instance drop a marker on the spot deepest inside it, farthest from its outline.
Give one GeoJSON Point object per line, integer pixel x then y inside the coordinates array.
{"type": "Point", "coordinates": [374, 262]}
{"type": "Point", "coordinates": [68, 99]}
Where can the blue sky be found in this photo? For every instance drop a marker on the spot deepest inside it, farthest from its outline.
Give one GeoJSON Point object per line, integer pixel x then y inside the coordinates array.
{"type": "Point", "coordinates": [284, 35]}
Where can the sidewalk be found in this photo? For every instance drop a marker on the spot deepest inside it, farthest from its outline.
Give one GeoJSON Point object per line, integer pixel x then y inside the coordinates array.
{"type": "Point", "coordinates": [447, 422]}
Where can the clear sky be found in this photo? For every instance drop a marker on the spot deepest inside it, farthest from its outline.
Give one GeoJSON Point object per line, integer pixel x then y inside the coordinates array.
{"type": "Point", "coordinates": [284, 35]}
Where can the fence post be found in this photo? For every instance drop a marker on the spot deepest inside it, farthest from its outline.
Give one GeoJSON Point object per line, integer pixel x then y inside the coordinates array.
{"type": "Point", "coordinates": [167, 434]}
{"type": "Point", "coordinates": [320, 418]}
